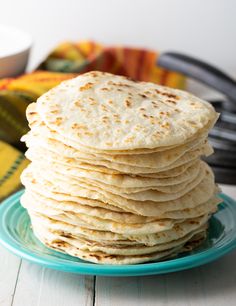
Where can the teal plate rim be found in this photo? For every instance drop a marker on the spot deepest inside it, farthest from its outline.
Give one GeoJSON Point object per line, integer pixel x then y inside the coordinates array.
{"type": "Point", "coordinates": [70, 264]}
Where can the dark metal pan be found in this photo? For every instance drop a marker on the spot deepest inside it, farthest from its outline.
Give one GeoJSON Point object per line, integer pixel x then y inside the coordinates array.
{"type": "Point", "coordinates": [223, 135]}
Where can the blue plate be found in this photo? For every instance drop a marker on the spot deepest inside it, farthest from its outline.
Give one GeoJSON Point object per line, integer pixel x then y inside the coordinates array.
{"type": "Point", "coordinates": [17, 236]}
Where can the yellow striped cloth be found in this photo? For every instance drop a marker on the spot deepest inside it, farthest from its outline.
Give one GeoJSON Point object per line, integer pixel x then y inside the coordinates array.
{"type": "Point", "coordinates": [64, 62]}
{"type": "Point", "coordinates": [12, 163]}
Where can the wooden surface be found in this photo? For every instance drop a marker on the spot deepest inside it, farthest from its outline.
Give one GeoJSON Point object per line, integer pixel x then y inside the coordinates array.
{"type": "Point", "coordinates": [25, 284]}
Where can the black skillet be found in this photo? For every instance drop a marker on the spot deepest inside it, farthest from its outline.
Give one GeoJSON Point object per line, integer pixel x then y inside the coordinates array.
{"type": "Point", "coordinates": [223, 135]}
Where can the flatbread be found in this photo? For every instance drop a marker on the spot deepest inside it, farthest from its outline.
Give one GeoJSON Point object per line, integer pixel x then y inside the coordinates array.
{"type": "Point", "coordinates": [34, 201]}
{"type": "Point", "coordinates": [79, 109]}
{"type": "Point", "coordinates": [115, 168]}
{"type": "Point", "coordinates": [147, 195]}
{"type": "Point", "coordinates": [42, 138]}
{"type": "Point", "coordinates": [172, 188]}
{"type": "Point", "coordinates": [115, 174]}
{"type": "Point", "coordinates": [200, 194]}
{"type": "Point", "coordinates": [66, 229]}
{"type": "Point", "coordinates": [50, 240]}
{"type": "Point", "coordinates": [129, 182]}
{"type": "Point", "coordinates": [133, 250]}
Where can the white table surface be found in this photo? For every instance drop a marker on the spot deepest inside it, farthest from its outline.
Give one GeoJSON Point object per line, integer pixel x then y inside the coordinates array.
{"type": "Point", "coordinates": [26, 284]}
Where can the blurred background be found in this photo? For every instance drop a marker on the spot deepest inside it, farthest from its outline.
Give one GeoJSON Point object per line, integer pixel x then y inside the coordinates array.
{"type": "Point", "coordinates": [204, 28]}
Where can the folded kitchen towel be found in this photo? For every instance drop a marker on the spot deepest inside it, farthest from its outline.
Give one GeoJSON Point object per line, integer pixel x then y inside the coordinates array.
{"type": "Point", "coordinates": [15, 95]}
{"type": "Point", "coordinates": [64, 62]}
{"type": "Point", "coordinates": [139, 64]}
{"type": "Point", "coordinates": [12, 163]}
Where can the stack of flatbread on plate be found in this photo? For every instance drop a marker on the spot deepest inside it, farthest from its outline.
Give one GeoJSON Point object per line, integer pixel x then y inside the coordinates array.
{"type": "Point", "coordinates": [116, 175]}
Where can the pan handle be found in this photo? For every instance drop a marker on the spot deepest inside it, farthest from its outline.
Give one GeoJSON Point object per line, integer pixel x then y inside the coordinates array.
{"type": "Point", "coordinates": [203, 72]}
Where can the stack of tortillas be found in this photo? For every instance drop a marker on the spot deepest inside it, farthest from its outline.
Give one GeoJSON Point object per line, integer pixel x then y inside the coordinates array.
{"type": "Point", "coordinates": [116, 175]}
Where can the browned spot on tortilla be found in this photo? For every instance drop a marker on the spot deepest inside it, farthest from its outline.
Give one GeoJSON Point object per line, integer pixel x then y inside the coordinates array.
{"type": "Point", "coordinates": [86, 86]}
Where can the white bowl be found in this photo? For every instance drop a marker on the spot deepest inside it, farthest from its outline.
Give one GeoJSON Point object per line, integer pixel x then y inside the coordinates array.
{"type": "Point", "coordinates": [14, 51]}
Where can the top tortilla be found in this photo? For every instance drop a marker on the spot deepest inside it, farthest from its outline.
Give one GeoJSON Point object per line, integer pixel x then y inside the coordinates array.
{"type": "Point", "coordinates": [107, 112]}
